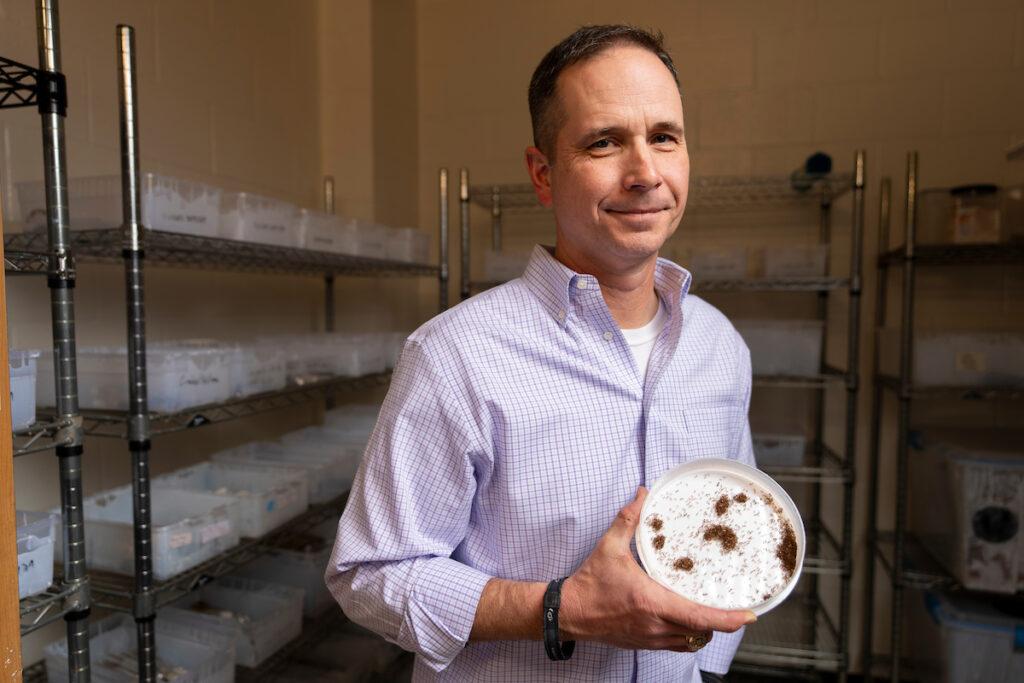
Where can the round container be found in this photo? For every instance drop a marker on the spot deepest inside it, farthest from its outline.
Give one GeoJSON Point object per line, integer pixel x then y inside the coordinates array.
{"type": "Point", "coordinates": [733, 477]}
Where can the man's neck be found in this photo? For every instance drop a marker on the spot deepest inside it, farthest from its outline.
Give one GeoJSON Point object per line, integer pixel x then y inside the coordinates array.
{"type": "Point", "coordinates": [629, 294]}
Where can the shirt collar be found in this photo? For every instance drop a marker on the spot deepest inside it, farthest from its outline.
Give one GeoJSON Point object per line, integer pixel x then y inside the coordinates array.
{"type": "Point", "coordinates": [551, 281]}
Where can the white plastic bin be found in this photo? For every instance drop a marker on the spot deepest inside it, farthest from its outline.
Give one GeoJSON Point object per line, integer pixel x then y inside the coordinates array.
{"type": "Point", "coordinates": [371, 240]}
{"type": "Point", "coordinates": [333, 445]}
{"type": "Point", "coordinates": [22, 367]}
{"type": "Point", "coordinates": [319, 231]}
{"type": "Point", "coordinates": [327, 478]}
{"type": "Point", "coordinates": [966, 504]}
{"type": "Point", "coordinates": [169, 204]}
{"type": "Point", "coordinates": [957, 358]}
{"type": "Point", "coordinates": [502, 266]}
{"type": "Point", "coordinates": [967, 639]}
{"type": "Point", "coordinates": [408, 245]}
{"type": "Point", "coordinates": [267, 496]}
{"type": "Point", "coordinates": [251, 218]}
{"type": "Point", "coordinates": [718, 263]}
{"type": "Point", "coordinates": [36, 532]}
{"type": "Point", "coordinates": [300, 561]}
{"type": "Point", "coordinates": [779, 450]}
{"type": "Point", "coordinates": [795, 260]}
{"type": "Point", "coordinates": [355, 355]}
{"type": "Point", "coordinates": [179, 376]}
{"type": "Point", "coordinates": [265, 616]}
{"type": "Point", "coordinates": [188, 528]}
{"type": "Point", "coordinates": [356, 420]}
{"type": "Point", "coordinates": [184, 655]}
{"type": "Point", "coordinates": [256, 368]}
{"type": "Point", "coordinates": [353, 648]}
{"type": "Point", "coordinates": [783, 347]}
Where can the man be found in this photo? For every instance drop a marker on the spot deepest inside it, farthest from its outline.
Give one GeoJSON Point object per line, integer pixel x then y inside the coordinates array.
{"type": "Point", "coordinates": [522, 425]}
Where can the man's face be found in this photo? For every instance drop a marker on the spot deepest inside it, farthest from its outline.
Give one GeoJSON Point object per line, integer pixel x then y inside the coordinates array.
{"type": "Point", "coordinates": [620, 174]}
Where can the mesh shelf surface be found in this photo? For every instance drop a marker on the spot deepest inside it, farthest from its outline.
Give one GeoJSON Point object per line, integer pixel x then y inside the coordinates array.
{"type": "Point", "coordinates": [959, 254]}
{"type": "Point", "coordinates": [920, 568]}
{"type": "Point", "coordinates": [28, 252]}
{"type": "Point", "coordinates": [41, 436]}
{"type": "Point", "coordinates": [947, 392]}
{"type": "Point", "coordinates": [710, 192]}
{"type": "Point", "coordinates": [797, 633]}
{"type": "Point", "coordinates": [47, 607]}
{"type": "Point", "coordinates": [114, 424]}
{"type": "Point", "coordinates": [792, 284]}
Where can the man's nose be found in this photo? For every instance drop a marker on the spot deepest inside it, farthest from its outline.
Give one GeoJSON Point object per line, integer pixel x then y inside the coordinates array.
{"type": "Point", "coordinates": [640, 172]}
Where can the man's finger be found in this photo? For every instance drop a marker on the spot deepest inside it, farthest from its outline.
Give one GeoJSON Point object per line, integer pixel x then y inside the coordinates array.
{"type": "Point", "coordinates": [693, 617]}
{"type": "Point", "coordinates": [624, 525]}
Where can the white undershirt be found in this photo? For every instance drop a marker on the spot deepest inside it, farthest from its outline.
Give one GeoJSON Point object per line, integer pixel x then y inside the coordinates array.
{"type": "Point", "coordinates": [641, 340]}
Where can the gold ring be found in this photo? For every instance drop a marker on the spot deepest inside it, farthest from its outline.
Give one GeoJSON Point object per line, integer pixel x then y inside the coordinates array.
{"type": "Point", "coordinates": [696, 642]}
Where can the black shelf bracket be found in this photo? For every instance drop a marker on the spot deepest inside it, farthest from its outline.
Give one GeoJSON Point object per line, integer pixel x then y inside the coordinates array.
{"type": "Point", "coordinates": [23, 86]}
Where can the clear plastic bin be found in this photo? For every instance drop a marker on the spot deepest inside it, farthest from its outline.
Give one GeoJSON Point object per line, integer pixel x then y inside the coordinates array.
{"type": "Point", "coordinates": [394, 342]}
{"type": "Point", "coordinates": [502, 266]}
{"type": "Point", "coordinates": [408, 245]}
{"type": "Point", "coordinates": [184, 655]}
{"type": "Point", "coordinates": [796, 260]}
{"type": "Point", "coordinates": [188, 528]}
{"type": "Point", "coordinates": [265, 616]}
{"type": "Point", "coordinates": [966, 503]}
{"type": "Point", "coordinates": [267, 496]}
{"type": "Point", "coordinates": [36, 532]}
{"type": "Point", "coordinates": [957, 358]}
{"type": "Point", "coordinates": [169, 204]}
{"type": "Point", "coordinates": [358, 354]}
{"type": "Point", "coordinates": [357, 420]}
{"type": "Point", "coordinates": [353, 648]}
{"type": "Point", "coordinates": [783, 347]}
{"type": "Point", "coordinates": [718, 263]}
{"type": "Point", "coordinates": [779, 450]}
{"type": "Point", "coordinates": [301, 563]}
{"type": "Point", "coordinates": [327, 478]}
{"type": "Point", "coordinates": [321, 231]}
{"type": "Point", "coordinates": [371, 240]}
{"type": "Point", "coordinates": [256, 368]}
{"type": "Point", "coordinates": [251, 218]}
{"type": "Point", "coordinates": [331, 444]}
{"type": "Point", "coordinates": [967, 639]}
{"type": "Point", "coordinates": [178, 376]}
{"type": "Point", "coordinates": [22, 367]}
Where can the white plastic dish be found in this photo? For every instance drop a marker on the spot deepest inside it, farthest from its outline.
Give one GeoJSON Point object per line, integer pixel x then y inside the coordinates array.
{"type": "Point", "coordinates": [734, 476]}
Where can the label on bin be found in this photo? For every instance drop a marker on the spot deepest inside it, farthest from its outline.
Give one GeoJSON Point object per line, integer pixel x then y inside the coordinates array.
{"type": "Point", "coordinates": [967, 361]}
{"type": "Point", "coordinates": [215, 531]}
{"type": "Point", "coordinates": [178, 540]}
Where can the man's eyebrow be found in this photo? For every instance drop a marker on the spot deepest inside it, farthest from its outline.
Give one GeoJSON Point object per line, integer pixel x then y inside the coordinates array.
{"type": "Point", "coordinates": [668, 127]}
{"type": "Point", "coordinates": [662, 127]}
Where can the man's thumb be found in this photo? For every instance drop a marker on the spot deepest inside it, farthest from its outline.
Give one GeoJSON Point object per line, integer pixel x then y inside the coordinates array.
{"type": "Point", "coordinates": [626, 521]}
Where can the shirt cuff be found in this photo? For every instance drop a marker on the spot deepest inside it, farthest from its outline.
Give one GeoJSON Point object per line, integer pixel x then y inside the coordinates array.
{"type": "Point", "coordinates": [717, 656]}
{"type": "Point", "coordinates": [442, 609]}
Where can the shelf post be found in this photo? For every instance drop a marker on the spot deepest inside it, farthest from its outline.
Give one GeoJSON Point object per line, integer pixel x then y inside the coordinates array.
{"type": "Point", "coordinates": [61, 282]}
{"type": "Point", "coordinates": [464, 222]}
{"type": "Point", "coordinates": [867, 646]}
{"type": "Point", "coordinates": [329, 277]}
{"type": "Point", "coordinates": [442, 180]}
{"type": "Point", "coordinates": [138, 421]}
{"type": "Point", "coordinates": [496, 217]}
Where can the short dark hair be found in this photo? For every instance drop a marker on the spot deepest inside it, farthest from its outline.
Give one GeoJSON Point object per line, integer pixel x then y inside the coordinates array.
{"type": "Point", "coordinates": [586, 42]}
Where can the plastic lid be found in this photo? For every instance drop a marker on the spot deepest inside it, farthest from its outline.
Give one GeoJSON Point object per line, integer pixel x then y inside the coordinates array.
{"type": "Point", "coordinates": [974, 189]}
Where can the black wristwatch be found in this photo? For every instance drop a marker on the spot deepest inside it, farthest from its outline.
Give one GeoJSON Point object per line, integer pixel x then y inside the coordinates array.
{"type": "Point", "coordinates": [557, 651]}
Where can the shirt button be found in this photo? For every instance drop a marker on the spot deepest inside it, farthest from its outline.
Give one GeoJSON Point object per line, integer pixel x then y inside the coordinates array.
{"type": "Point", "coordinates": [581, 284]}
{"type": "Point", "coordinates": [608, 335]}
{"type": "Point", "coordinates": [561, 315]}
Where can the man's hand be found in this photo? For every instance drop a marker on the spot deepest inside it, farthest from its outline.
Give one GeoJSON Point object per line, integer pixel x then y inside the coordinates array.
{"type": "Point", "coordinates": [610, 599]}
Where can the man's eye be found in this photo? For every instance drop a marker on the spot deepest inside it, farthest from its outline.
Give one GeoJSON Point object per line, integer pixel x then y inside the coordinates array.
{"type": "Point", "coordinates": [662, 139]}
{"type": "Point", "coordinates": [602, 144]}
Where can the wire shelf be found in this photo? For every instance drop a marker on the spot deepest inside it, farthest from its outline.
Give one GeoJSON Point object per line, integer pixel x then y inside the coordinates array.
{"type": "Point", "coordinates": [792, 284]}
{"type": "Point", "coordinates": [114, 591]}
{"type": "Point", "coordinates": [796, 633]}
{"type": "Point", "coordinates": [42, 436]}
{"type": "Point", "coordinates": [981, 393]}
{"type": "Point", "coordinates": [828, 469]}
{"type": "Point", "coordinates": [313, 632]}
{"type": "Point", "coordinates": [831, 377]}
{"type": "Point", "coordinates": [828, 555]}
{"type": "Point", "coordinates": [958, 254]}
{"type": "Point", "coordinates": [706, 193]}
{"type": "Point", "coordinates": [28, 252]}
{"type": "Point", "coordinates": [920, 568]}
{"type": "Point", "coordinates": [114, 424]}
{"type": "Point", "coordinates": [39, 610]}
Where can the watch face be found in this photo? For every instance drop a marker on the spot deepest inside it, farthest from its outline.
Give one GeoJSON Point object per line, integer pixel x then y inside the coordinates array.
{"type": "Point", "coordinates": [722, 534]}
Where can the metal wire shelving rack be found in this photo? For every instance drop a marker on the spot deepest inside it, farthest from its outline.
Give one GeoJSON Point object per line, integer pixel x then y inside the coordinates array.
{"type": "Point", "coordinates": [134, 245]}
{"type": "Point", "coordinates": [801, 638]}
{"type": "Point", "coordinates": [904, 558]}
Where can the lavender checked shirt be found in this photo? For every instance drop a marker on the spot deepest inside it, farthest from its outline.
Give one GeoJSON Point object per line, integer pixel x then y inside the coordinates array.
{"type": "Point", "coordinates": [516, 427]}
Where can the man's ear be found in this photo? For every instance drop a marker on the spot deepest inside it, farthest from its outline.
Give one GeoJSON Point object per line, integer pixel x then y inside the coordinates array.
{"type": "Point", "coordinates": [540, 174]}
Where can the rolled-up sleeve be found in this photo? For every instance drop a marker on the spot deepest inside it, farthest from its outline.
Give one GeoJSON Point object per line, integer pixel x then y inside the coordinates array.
{"type": "Point", "coordinates": [392, 569]}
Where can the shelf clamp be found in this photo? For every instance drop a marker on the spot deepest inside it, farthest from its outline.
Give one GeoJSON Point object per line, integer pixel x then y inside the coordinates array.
{"type": "Point", "coordinates": [22, 86]}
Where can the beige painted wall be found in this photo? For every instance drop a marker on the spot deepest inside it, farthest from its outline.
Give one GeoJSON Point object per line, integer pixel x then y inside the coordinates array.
{"type": "Point", "coordinates": [764, 85]}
